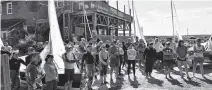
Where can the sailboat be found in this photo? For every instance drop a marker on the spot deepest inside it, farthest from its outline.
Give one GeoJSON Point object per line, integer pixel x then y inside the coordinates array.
{"type": "Point", "coordinates": [140, 29]}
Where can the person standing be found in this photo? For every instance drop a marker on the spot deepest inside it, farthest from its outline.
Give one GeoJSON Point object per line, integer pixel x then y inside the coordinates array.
{"type": "Point", "coordinates": [181, 52]}
{"type": "Point", "coordinates": [114, 60]}
{"type": "Point", "coordinates": [150, 56]}
{"type": "Point", "coordinates": [50, 69]}
{"type": "Point", "coordinates": [131, 54]}
{"type": "Point", "coordinates": [141, 47]}
{"type": "Point", "coordinates": [168, 59]}
{"type": "Point", "coordinates": [158, 47]}
{"type": "Point", "coordinates": [103, 61]}
{"type": "Point", "coordinates": [69, 61]}
{"type": "Point", "coordinates": [89, 60]}
{"type": "Point", "coordinates": [125, 53]}
{"type": "Point", "coordinates": [198, 57]}
{"type": "Point", "coordinates": [33, 75]}
{"type": "Point", "coordinates": [121, 56]}
{"type": "Point", "coordinates": [15, 64]}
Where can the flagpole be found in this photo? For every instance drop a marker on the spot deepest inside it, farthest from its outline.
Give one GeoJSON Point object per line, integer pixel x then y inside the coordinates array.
{"type": "Point", "coordinates": [172, 20]}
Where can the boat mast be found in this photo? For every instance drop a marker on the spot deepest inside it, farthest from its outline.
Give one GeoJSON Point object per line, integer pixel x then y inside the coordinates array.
{"type": "Point", "coordinates": [134, 18]}
{"type": "Point", "coordinates": [172, 19]}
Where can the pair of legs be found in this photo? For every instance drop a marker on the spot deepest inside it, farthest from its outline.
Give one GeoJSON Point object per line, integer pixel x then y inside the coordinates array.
{"type": "Point", "coordinates": [51, 85]}
{"type": "Point", "coordinates": [69, 73]}
{"type": "Point", "coordinates": [168, 64]}
{"type": "Point", "coordinates": [184, 63]}
{"type": "Point", "coordinates": [15, 79]}
{"type": "Point", "coordinates": [140, 59]}
{"type": "Point", "coordinates": [197, 60]}
{"type": "Point", "coordinates": [149, 66]}
{"type": "Point", "coordinates": [131, 62]}
{"type": "Point", "coordinates": [116, 69]}
{"type": "Point", "coordinates": [125, 58]}
{"type": "Point", "coordinates": [103, 73]}
{"type": "Point", "coordinates": [90, 73]}
{"type": "Point", "coordinates": [121, 62]}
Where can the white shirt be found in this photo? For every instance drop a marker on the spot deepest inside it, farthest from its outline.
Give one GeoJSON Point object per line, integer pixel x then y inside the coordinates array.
{"type": "Point", "coordinates": [70, 56]}
{"type": "Point", "coordinates": [121, 51]}
{"type": "Point", "coordinates": [131, 53]}
{"type": "Point", "coordinates": [158, 46]}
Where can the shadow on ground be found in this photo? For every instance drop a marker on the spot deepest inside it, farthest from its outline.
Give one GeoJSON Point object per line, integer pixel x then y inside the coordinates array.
{"type": "Point", "coordinates": [155, 81]}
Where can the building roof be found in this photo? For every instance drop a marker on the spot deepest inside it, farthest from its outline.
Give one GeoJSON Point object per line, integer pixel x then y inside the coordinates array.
{"type": "Point", "coordinates": [9, 23]}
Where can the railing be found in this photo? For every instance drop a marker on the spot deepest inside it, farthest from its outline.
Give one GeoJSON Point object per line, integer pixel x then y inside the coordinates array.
{"type": "Point", "coordinates": [98, 6]}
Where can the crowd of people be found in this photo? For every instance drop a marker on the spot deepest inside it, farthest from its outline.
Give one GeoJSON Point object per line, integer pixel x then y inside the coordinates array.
{"type": "Point", "coordinates": [96, 57]}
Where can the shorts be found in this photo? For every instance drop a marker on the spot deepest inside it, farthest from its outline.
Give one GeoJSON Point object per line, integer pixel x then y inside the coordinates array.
{"type": "Point", "coordinates": [198, 60]}
{"type": "Point", "coordinates": [168, 63]}
{"type": "Point", "coordinates": [90, 69]}
{"type": "Point", "coordinates": [69, 74]}
{"type": "Point", "coordinates": [103, 70]}
{"type": "Point", "coordinates": [181, 59]}
{"type": "Point", "coordinates": [115, 64]}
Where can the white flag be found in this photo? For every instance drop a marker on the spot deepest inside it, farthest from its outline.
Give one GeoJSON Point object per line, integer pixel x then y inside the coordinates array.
{"type": "Point", "coordinates": [55, 46]}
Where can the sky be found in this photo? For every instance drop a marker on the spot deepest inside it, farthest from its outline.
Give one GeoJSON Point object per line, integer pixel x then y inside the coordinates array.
{"type": "Point", "coordinates": [194, 16]}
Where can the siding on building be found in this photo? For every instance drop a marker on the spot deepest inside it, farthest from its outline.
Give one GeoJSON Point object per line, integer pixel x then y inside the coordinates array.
{"type": "Point", "coordinates": [27, 10]}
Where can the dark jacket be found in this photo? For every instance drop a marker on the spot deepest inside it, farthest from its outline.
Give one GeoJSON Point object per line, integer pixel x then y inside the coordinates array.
{"type": "Point", "coordinates": [15, 64]}
{"type": "Point", "coordinates": [150, 54]}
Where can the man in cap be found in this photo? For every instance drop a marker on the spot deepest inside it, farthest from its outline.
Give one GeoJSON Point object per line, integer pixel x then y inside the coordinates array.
{"type": "Point", "coordinates": [114, 60]}
{"type": "Point", "coordinates": [89, 63]}
{"type": "Point", "coordinates": [15, 64]}
{"type": "Point", "coordinates": [168, 59]}
{"type": "Point", "coordinates": [69, 61]}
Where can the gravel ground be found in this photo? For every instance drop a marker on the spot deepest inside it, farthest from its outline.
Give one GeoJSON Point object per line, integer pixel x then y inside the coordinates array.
{"type": "Point", "coordinates": [158, 82]}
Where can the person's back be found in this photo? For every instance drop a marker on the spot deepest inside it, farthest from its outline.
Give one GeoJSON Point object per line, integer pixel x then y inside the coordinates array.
{"type": "Point", "coordinates": [168, 54]}
{"type": "Point", "coordinates": [131, 54]}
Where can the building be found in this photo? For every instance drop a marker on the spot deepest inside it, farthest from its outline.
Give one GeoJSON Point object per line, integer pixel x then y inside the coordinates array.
{"type": "Point", "coordinates": [78, 18]}
{"type": "Point", "coordinates": [20, 15]}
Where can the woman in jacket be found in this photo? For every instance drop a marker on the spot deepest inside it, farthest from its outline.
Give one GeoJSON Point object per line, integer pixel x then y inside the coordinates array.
{"type": "Point", "coordinates": [51, 73]}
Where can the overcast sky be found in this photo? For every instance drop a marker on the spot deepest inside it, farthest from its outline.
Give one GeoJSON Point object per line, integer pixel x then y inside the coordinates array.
{"type": "Point", "coordinates": [155, 16]}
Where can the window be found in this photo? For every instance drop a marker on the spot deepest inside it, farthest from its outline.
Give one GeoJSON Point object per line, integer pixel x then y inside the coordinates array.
{"type": "Point", "coordinates": [66, 20]}
{"type": "Point", "coordinates": [4, 35]}
{"type": "Point", "coordinates": [59, 3]}
{"type": "Point", "coordinates": [9, 8]}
